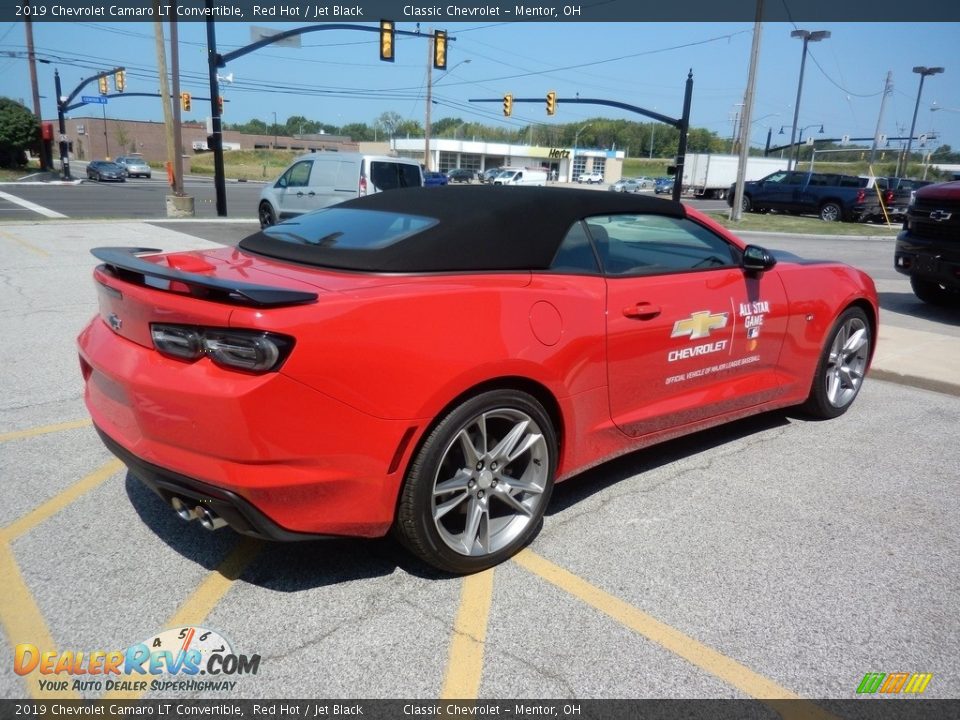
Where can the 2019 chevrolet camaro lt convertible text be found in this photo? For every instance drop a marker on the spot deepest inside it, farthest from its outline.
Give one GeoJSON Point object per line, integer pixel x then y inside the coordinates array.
{"type": "Point", "coordinates": [432, 361]}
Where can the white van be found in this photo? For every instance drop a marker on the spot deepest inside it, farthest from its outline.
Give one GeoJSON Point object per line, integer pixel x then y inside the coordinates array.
{"type": "Point", "coordinates": [521, 176]}
{"type": "Point", "coordinates": [317, 180]}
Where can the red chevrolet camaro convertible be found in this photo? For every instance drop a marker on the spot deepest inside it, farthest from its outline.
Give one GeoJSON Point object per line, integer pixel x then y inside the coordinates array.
{"type": "Point", "coordinates": [432, 361]}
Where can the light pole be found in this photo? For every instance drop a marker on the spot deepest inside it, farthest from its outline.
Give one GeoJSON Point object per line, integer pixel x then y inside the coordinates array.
{"type": "Point", "coordinates": [795, 151]}
{"type": "Point", "coordinates": [922, 72]}
{"type": "Point", "coordinates": [808, 37]}
{"type": "Point", "coordinates": [274, 129]}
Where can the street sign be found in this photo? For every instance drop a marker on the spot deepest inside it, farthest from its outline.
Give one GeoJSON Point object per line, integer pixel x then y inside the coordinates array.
{"type": "Point", "coordinates": [845, 140]}
{"type": "Point", "coordinates": [96, 99]}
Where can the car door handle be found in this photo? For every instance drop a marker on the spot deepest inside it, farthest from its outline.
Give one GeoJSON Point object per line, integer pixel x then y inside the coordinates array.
{"type": "Point", "coordinates": [641, 311]}
{"type": "Point", "coordinates": [299, 193]}
{"type": "Point", "coordinates": [312, 193]}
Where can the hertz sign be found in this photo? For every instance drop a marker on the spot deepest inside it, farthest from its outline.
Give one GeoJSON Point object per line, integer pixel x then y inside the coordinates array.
{"type": "Point", "coordinates": [558, 154]}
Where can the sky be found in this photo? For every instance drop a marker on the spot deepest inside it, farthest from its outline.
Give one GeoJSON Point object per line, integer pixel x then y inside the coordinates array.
{"type": "Point", "coordinates": [336, 77]}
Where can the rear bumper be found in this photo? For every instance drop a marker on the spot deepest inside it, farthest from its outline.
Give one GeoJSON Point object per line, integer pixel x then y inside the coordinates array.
{"type": "Point", "coordinates": [279, 458]}
{"type": "Point", "coordinates": [936, 261]}
{"type": "Point", "coordinates": [239, 514]}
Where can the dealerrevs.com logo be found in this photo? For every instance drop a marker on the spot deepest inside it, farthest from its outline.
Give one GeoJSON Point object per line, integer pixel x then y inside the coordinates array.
{"type": "Point", "coordinates": [172, 660]}
{"type": "Point", "coordinates": [894, 683]}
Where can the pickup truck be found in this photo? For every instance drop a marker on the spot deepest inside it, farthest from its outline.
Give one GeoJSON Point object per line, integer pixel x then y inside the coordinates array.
{"type": "Point", "coordinates": [928, 247]}
{"type": "Point", "coordinates": [831, 196]}
{"type": "Point", "coordinates": [895, 193]}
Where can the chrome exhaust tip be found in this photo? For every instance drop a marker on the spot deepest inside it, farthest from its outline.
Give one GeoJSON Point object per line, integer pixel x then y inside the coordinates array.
{"type": "Point", "coordinates": [184, 512]}
{"type": "Point", "coordinates": [209, 519]}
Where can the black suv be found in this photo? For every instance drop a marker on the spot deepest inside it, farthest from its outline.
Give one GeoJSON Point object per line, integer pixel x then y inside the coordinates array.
{"type": "Point", "coordinates": [928, 247]}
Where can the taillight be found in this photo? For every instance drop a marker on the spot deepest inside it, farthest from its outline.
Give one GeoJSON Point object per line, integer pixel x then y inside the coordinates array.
{"type": "Point", "coordinates": [363, 186]}
{"type": "Point", "coordinates": [861, 195]}
{"type": "Point", "coordinates": [888, 197]}
{"type": "Point", "coordinates": [251, 350]}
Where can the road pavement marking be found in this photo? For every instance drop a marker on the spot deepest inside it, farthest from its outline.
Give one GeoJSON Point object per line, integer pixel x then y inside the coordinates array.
{"type": "Point", "coordinates": [669, 638]}
{"type": "Point", "coordinates": [58, 502]}
{"type": "Point", "coordinates": [205, 598]}
{"type": "Point", "coordinates": [23, 622]}
{"type": "Point", "coordinates": [47, 212]}
{"type": "Point", "coordinates": [19, 614]}
{"type": "Point", "coordinates": [465, 662]}
{"type": "Point", "coordinates": [44, 429]}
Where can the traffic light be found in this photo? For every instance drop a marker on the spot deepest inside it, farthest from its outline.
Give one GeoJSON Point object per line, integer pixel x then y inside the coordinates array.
{"type": "Point", "coordinates": [120, 80]}
{"type": "Point", "coordinates": [104, 89]}
{"type": "Point", "coordinates": [507, 104]}
{"type": "Point", "coordinates": [440, 49]}
{"type": "Point", "coordinates": [386, 40]}
{"type": "Point", "coordinates": [185, 101]}
{"type": "Point", "coordinates": [551, 103]}
{"type": "Point", "coordinates": [219, 105]}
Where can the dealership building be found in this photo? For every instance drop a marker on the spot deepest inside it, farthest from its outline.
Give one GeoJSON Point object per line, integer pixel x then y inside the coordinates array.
{"type": "Point", "coordinates": [563, 164]}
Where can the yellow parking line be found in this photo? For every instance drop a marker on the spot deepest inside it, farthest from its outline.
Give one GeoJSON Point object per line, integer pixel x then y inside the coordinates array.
{"type": "Point", "coordinates": [204, 599]}
{"type": "Point", "coordinates": [465, 663]}
{"type": "Point", "coordinates": [44, 429]}
{"type": "Point", "coordinates": [704, 657]}
{"type": "Point", "coordinates": [23, 622]}
{"type": "Point", "coordinates": [58, 502]}
{"type": "Point", "coordinates": [24, 243]}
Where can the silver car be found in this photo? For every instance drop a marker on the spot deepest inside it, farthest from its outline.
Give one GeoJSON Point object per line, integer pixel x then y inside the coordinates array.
{"type": "Point", "coordinates": [135, 165]}
{"type": "Point", "coordinates": [629, 185]}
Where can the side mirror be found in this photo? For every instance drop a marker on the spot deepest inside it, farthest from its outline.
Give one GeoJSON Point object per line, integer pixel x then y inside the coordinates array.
{"type": "Point", "coordinates": [757, 259]}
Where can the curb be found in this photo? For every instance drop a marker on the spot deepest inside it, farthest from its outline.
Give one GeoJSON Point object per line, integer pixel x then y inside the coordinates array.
{"type": "Point", "coordinates": [809, 236]}
{"type": "Point", "coordinates": [915, 381]}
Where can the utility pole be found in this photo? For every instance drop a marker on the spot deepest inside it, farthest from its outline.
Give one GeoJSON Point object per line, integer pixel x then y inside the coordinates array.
{"type": "Point", "coordinates": [177, 130]}
{"type": "Point", "coordinates": [736, 207]}
{"type": "Point", "coordinates": [887, 91]}
{"type": "Point", "coordinates": [426, 115]}
{"type": "Point", "coordinates": [45, 161]}
{"type": "Point", "coordinates": [164, 86]}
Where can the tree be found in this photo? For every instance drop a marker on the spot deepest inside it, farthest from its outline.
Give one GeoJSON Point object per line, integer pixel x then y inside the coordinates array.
{"type": "Point", "coordinates": [388, 122]}
{"type": "Point", "coordinates": [19, 131]}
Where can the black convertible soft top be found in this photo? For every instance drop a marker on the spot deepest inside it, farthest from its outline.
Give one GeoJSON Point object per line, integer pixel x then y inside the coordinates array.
{"type": "Point", "coordinates": [478, 228]}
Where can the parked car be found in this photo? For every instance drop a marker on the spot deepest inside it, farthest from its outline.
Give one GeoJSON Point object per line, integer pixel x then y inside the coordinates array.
{"type": "Point", "coordinates": [629, 185]}
{"type": "Point", "coordinates": [928, 247]}
{"type": "Point", "coordinates": [100, 170]}
{"type": "Point", "coordinates": [831, 196]}
{"type": "Point", "coordinates": [434, 179]}
{"type": "Point", "coordinates": [663, 185]}
{"type": "Point", "coordinates": [461, 175]}
{"type": "Point", "coordinates": [324, 376]}
{"type": "Point", "coordinates": [490, 174]}
{"type": "Point", "coordinates": [590, 178]}
{"type": "Point", "coordinates": [135, 165]}
{"type": "Point", "coordinates": [318, 180]}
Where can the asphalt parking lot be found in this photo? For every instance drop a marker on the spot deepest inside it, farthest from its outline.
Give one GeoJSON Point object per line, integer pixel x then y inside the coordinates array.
{"type": "Point", "coordinates": [773, 558]}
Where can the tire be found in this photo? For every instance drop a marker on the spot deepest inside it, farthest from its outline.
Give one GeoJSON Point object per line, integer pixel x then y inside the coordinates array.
{"type": "Point", "coordinates": [934, 293]}
{"type": "Point", "coordinates": [842, 366]}
{"type": "Point", "coordinates": [267, 216]}
{"type": "Point", "coordinates": [465, 505]}
{"type": "Point", "coordinates": [745, 204]}
{"type": "Point", "coordinates": [831, 212]}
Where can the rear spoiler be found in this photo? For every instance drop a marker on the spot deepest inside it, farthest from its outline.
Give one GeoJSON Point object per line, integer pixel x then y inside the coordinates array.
{"type": "Point", "coordinates": [123, 261]}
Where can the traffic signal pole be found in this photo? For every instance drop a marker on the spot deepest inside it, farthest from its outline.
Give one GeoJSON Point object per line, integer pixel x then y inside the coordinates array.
{"type": "Point", "coordinates": [219, 182]}
{"type": "Point", "coordinates": [61, 120]}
